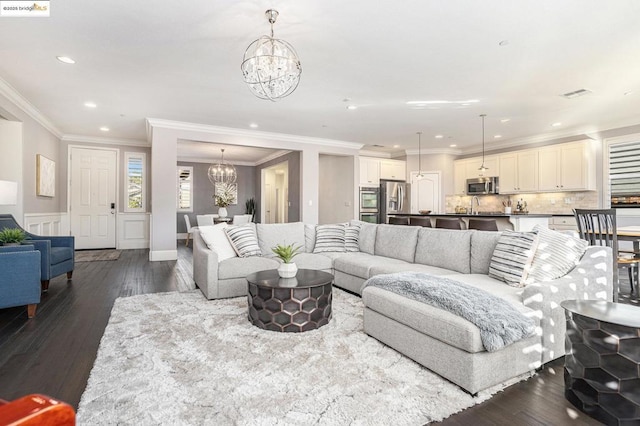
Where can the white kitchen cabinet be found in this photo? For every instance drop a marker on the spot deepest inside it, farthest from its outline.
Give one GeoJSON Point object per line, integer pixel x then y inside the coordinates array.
{"type": "Point", "coordinates": [518, 172]}
{"type": "Point", "coordinates": [563, 223]}
{"type": "Point", "coordinates": [567, 167]}
{"type": "Point", "coordinates": [459, 177]}
{"type": "Point", "coordinates": [393, 169]}
{"type": "Point", "coordinates": [369, 171]}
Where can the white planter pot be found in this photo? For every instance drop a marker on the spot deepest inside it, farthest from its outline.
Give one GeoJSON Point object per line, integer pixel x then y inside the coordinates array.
{"type": "Point", "coordinates": [222, 212]}
{"type": "Point", "coordinates": [287, 270]}
{"type": "Point", "coordinates": [507, 210]}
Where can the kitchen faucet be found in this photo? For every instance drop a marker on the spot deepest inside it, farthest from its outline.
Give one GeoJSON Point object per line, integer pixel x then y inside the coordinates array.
{"type": "Point", "coordinates": [475, 197]}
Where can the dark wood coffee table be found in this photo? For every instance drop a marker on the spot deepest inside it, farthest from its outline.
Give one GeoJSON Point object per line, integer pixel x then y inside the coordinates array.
{"type": "Point", "coordinates": [296, 304]}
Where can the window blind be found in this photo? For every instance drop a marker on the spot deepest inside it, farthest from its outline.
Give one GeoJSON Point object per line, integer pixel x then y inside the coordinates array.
{"type": "Point", "coordinates": [624, 174]}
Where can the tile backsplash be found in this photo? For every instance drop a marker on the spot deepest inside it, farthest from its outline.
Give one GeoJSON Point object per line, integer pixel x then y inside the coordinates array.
{"type": "Point", "coordinates": [543, 203]}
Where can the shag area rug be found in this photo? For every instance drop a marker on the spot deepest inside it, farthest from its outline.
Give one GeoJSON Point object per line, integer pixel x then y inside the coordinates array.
{"type": "Point", "coordinates": [179, 359]}
{"type": "Point", "coordinates": [93, 255]}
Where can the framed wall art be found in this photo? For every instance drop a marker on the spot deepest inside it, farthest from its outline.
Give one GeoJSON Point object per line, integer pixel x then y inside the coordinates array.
{"type": "Point", "coordinates": [45, 176]}
{"type": "Point", "coordinates": [225, 194]}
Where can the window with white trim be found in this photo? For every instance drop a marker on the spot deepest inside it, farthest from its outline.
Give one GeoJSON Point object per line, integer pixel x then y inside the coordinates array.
{"type": "Point", "coordinates": [624, 174]}
{"type": "Point", "coordinates": [135, 181]}
{"type": "Point", "coordinates": [185, 188]}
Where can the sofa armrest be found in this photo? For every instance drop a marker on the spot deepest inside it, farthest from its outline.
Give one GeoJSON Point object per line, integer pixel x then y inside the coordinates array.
{"type": "Point", "coordinates": [592, 278]}
{"type": "Point", "coordinates": [19, 276]}
{"type": "Point", "coordinates": [56, 241]}
{"type": "Point", "coordinates": [205, 267]}
{"type": "Point", "coordinates": [44, 247]}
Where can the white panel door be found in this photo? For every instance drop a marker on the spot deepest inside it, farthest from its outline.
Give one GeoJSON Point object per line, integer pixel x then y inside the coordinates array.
{"type": "Point", "coordinates": [425, 192]}
{"type": "Point", "coordinates": [93, 198]}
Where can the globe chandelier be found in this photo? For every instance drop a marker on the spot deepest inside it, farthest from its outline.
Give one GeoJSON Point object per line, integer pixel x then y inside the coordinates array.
{"type": "Point", "coordinates": [222, 172]}
{"type": "Point", "coordinates": [271, 66]}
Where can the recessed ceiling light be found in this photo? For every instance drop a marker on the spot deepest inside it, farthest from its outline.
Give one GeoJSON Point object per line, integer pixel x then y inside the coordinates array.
{"type": "Point", "coordinates": [439, 136]}
{"type": "Point", "coordinates": [628, 93]}
{"type": "Point", "coordinates": [352, 107]}
{"type": "Point", "coordinates": [104, 129]}
{"type": "Point", "coordinates": [65, 59]}
{"type": "Point", "coordinates": [396, 146]}
{"type": "Point", "coordinates": [503, 42]}
{"type": "Point", "coordinates": [453, 145]}
{"type": "Point", "coordinates": [90, 105]}
{"type": "Point", "coordinates": [253, 125]}
{"type": "Point", "coordinates": [497, 136]}
{"type": "Point", "coordinates": [556, 124]}
{"type": "Point", "coordinates": [505, 120]}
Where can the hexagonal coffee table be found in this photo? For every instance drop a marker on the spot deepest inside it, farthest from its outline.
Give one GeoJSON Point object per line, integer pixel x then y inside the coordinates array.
{"type": "Point", "coordinates": [295, 305]}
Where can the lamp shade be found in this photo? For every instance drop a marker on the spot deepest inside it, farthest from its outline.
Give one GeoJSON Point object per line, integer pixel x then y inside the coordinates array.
{"type": "Point", "coordinates": [8, 193]}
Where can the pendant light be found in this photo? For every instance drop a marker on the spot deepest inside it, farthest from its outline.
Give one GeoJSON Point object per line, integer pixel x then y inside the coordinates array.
{"type": "Point", "coordinates": [270, 66]}
{"type": "Point", "coordinates": [419, 175]}
{"type": "Point", "coordinates": [222, 172]}
{"type": "Point", "coordinates": [483, 168]}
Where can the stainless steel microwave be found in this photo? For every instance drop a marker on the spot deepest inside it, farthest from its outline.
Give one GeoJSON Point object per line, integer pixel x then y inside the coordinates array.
{"type": "Point", "coordinates": [482, 186]}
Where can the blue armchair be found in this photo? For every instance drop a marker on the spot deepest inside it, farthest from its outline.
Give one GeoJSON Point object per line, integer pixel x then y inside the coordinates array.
{"type": "Point", "coordinates": [56, 253]}
{"type": "Point", "coordinates": [20, 277]}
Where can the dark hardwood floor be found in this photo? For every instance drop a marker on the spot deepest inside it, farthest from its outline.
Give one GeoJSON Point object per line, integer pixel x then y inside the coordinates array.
{"type": "Point", "coordinates": [54, 352]}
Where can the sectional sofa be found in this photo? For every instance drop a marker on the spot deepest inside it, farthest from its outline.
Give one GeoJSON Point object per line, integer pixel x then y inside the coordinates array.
{"type": "Point", "coordinates": [435, 338]}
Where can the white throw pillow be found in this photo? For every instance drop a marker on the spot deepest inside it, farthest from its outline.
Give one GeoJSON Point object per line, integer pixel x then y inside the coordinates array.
{"type": "Point", "coordinates": [329, 238]}
{"type": "Point", "coordinates": [216, 239]}
{"type": "Point", "coordinates": [244, 240]}
{"type": "Point", "coordinates": [512, 257]}
{"type": "Point", "coordinates": [351, 234]}
{"type": "Point", "coordinates": [557, 254]}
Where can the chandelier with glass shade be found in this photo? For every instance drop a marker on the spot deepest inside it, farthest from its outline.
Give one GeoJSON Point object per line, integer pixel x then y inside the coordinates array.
{"type": "Point", "coordinates": [271, 66]}
{"type": "Point", "coordinates": [222, 172]}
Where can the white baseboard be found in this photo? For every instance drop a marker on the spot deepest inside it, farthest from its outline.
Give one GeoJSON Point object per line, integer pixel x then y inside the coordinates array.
{"type": "Point", "coordinates": [160, 255]}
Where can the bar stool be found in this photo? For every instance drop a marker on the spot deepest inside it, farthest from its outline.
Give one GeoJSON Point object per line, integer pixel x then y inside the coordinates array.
{"type": "Point", "coordinates": [448, 223]}
{"type": "Point", "coordinates": [398, 220]}
{"type": "Point", "coordinates": [483, 224]}
{"type": "Point", "coordinates": [420, 221]}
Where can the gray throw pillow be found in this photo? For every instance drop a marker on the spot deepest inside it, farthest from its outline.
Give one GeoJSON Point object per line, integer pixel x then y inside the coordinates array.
{"type": "Point", "coordinates": [329, 238]}
{"type": "Point", "coordinates": [244, 240]}
{"type": "Point", "coordinates": [512, 257]}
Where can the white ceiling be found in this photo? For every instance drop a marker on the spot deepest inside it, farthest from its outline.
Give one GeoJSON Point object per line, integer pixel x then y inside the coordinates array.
{"type": "Point", "coordinates": [181, 61]}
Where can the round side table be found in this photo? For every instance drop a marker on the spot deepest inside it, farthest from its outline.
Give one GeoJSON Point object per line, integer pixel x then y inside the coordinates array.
{"type": "Point", "coordinates": [296, 304]}
{"type": "Point", "coordinates": [602, 362]}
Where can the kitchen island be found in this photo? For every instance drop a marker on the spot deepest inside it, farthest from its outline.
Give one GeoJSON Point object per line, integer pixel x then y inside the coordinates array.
{"type": "Point", "coordinates": [516, 222]}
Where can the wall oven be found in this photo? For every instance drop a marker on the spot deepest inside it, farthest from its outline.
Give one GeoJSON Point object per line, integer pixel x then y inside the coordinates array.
{"type": "Point", "coordinates": [370, 204]}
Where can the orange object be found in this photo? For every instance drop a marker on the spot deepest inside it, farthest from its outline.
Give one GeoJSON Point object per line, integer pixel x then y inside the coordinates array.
{"type": "Point", "coordinates": [36, 409]}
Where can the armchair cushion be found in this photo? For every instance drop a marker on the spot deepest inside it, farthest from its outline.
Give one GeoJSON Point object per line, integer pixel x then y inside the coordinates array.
{"type": "Point", "coordinates": [60, 254]}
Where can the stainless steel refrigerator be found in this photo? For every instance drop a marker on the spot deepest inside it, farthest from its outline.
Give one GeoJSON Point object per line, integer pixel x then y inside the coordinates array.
{"type": "Point", "coordinates": [395, 198]}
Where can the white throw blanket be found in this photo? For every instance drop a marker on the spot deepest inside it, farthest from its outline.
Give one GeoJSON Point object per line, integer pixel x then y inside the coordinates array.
{"type": "Point", "coordinates": [499, 322]}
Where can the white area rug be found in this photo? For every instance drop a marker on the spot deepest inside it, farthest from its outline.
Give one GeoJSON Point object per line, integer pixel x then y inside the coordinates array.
{"type": "Point", "coordinates": [178, 359]}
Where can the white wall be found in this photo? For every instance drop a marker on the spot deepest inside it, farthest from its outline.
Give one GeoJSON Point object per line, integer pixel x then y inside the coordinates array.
{"type": "Point", "coordinates": [335, 203]}
{"type": "Point", "coordinates": [434, 163]}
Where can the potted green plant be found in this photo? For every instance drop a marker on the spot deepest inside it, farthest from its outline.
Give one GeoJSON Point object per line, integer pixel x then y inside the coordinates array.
{"type": "Point", "coordinates": [250, 208]}
{"type": "Point", "coordinates": [286, 253]}
{"type": "Point", "coordinates": [12, 236]}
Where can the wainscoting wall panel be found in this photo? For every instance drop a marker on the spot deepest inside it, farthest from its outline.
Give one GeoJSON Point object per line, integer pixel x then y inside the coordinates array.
{"type": "Point", "coordinates": [133, 230]}
{"type": "Point", "coordinates": [46, 224]}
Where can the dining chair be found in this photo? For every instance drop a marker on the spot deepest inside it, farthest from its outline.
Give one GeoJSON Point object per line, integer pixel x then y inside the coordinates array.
{"type": "Point", "coordinates": [599, 227]}
{"type": "Point", "coordinates": [420, 221]}
{"type": "Point", "coordinates": [398, 220]}
{"type": "Point", "coordinates": [206, 219]}
{"type": "Point", "coordinates": [445, 223]}
{"type": "Point", "coordinates": [187, 221]}
{"type": "Point", "coordinates": [483, 224]}
{"type": "Point", "coordinates": [241, 219]}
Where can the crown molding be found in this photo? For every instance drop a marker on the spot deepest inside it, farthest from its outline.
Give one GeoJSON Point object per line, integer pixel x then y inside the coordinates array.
{"type": "Point", "coordinates": [432, 151]}
{"type": "Point", "coordinates": [104, 141]}
{"type": "Point", "coordinates": [27, 107]}
{"type": "Point", "coordinates": [254, 134]}
{"type": "Point", "coordinates": [377, 154]}
{"type": "Point", "coordinates": [272, 156]}
{"type": "Point", "coordinates": [204, 160]}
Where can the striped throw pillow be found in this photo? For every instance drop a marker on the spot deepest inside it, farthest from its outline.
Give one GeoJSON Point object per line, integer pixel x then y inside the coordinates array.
{"type": "Point", "coordinates": [244, 240]}
{"type": "Point", "coordinates": [351, 234]}
{"type": "Point", "coordinates": [557, 254]}
{"type": "Point", "coordinates": [512, 257]}
{"type": "Point", "coordinates": [329, 238]}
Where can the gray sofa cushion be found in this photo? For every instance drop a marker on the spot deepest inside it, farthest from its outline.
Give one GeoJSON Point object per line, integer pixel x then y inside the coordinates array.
{"type": "Point", "coordinates": [272, 234]}
{"type": "Point", "coordinates": [312, 261]}
{"type": "Point", "coordinates": [445, 248]}
{"type": "Point", "coordinates": [359, 264]}
{"type": "Point", "coordinates": [396, 241]}
{"type": "Point", "coordinates": [388, 268]}
{"type": "Point", "coordinates": [240, 267]}
{"type": "Point", "coordinates": [483, 243]}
